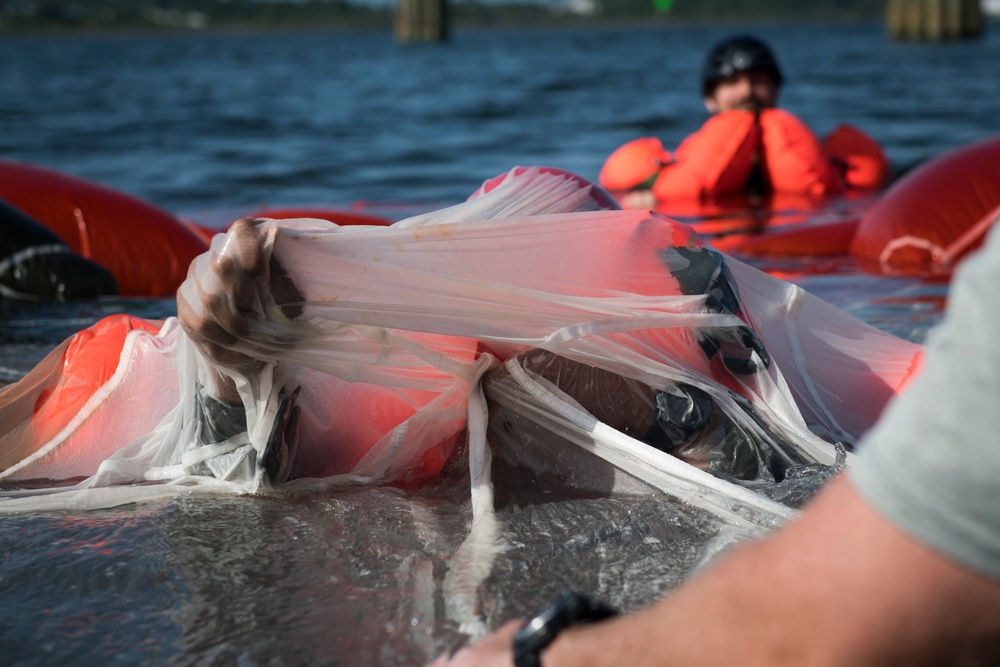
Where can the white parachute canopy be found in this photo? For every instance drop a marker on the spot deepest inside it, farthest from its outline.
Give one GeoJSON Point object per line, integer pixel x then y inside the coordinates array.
{"type": "Point", "coordinates": [358, 355]}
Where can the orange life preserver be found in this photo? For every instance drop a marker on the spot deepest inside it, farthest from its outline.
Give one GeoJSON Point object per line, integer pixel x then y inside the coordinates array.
{"type": "Point", "coordinates": [862, 161]}
{"type": "Point", "coordinates": [719, 158]}
{"type": "Point", "coordinates": [146, 249]}
{"type": "Point", "coordinates": [715, 160]}
{"type": "Point", "coordinates": [794, 158]}
{"type": "Point", "coordinates": [634, 165]}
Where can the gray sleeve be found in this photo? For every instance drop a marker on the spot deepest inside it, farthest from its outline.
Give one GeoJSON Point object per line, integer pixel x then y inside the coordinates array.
{"type": "Point", "coordinates": [932, 463]}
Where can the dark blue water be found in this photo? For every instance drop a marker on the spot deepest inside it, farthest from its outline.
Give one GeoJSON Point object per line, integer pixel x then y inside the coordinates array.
{"type": "Point", "coordinates": [198, 123]}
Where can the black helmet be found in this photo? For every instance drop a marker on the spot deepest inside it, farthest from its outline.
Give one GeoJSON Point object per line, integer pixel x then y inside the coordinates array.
{"type": "Point", "coordinates": [734, 55]}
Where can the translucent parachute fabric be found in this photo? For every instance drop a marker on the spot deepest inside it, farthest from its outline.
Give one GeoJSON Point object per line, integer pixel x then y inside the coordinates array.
{"type": "Point", "coordinates": [92, 395]}
{"type": "Point", "coordinates": [359, 355]}
{"type": "Point", "coordinates": [398, 324]}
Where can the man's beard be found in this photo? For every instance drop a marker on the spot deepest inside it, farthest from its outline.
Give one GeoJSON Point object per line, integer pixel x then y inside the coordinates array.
{"type": "Point", "coordinates": [750, 104]}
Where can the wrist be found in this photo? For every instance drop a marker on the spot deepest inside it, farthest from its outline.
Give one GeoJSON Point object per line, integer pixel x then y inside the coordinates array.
{"type": "Point", "coordinates": [542, 630]}
{"type": "Point", "coordinates": [572, 648]}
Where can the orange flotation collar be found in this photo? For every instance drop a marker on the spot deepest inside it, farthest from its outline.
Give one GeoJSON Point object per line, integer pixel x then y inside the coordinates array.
{"type": "Point", "coordinates": [89, 360]}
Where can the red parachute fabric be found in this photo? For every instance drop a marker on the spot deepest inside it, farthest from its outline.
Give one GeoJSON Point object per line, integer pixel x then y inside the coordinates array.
{"type": "Point", "coordinates": [146, 249]}
{"type": "Point", "coordinates": [935, 215]}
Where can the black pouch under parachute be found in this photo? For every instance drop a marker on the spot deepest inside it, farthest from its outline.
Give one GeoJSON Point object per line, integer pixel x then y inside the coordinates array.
{"type": "Point", "coordinates": [704, 271]}
{"type": "Point", "coordinates": [223, 427]}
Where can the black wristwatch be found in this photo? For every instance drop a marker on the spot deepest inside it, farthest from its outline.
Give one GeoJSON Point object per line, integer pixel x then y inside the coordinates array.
{"type": "Point", "coordinates": [567, 610]}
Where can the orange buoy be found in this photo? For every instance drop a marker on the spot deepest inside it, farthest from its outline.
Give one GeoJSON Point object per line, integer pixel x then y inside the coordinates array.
{"type": "Point", "coordinates": [146, 249]}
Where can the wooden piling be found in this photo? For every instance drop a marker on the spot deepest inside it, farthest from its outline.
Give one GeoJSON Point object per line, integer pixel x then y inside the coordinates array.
{"type": "Point", "coordinates": [933, 20]}
{"type": "Point", "coordinates": [421, 20]}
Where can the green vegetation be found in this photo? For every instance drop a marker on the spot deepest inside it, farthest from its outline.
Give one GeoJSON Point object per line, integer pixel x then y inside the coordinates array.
{"type": "Point", "coordinates": [187, 14]}
{"type": "Point", "coordinates": [17, 15]}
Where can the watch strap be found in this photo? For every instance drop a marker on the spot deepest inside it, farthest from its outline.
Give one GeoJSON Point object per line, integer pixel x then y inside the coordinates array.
{"type": "Point", "coordinates": [565, 611]}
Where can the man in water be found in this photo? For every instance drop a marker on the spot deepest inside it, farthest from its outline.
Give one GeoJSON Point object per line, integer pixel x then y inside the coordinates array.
{"type": "Point", "coordinates": [748, 146]}
{"type": "Point", "coordinates": [741, 73]}
{"type": "Point", "coordinates": [895, 563]}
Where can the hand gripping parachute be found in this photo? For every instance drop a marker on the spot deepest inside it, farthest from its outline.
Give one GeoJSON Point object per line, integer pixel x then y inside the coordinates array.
{"type": "Point", "coordinates": [612, 349]}
{"type": "Point", "coordinates": [395, 327]}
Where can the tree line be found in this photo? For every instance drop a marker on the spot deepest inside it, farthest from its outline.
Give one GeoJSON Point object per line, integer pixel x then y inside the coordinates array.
{"type": "Point", "coordinates": [199, 14]}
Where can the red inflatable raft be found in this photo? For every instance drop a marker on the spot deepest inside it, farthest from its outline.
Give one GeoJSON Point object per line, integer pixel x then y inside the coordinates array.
{"type": "Point", "coordinates": [923, 225]}
{"type": "Point", "coordinates": [146, 249]}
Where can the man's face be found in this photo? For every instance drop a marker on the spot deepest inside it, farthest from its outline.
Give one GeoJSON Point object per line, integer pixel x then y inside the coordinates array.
{"type": "Point", "coordinates": [752, 90]}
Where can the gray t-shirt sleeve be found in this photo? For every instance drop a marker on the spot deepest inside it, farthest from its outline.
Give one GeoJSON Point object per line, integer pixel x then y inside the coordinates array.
{"type": "Point", "coordinates": [932, 463]}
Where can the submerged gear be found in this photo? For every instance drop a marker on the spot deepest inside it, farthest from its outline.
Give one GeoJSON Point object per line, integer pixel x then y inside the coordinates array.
{"type": "Point", "coordinates": [35, 264]}
{"type": "Point", "coordinates": [735, 55]}
{"type": "Point", "coordinates": [224, 445]}
{"type": "Point", "coordinates": [704, 271]}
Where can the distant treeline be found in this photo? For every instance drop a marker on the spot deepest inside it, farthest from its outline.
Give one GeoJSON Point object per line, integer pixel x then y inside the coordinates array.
{"type": "Point", "coordinates": [199, 14]}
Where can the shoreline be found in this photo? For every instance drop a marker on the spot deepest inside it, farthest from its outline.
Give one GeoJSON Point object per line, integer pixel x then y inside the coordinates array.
{"type": "Point", "coordinates": [457, 25]}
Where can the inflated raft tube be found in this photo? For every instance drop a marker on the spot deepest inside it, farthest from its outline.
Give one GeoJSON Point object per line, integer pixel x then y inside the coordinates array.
{"type": "Point", "coordinates": [35, 265]}
{"type": "Point", "coordinates": [826, 240]}
{"type": "Point", "coordinates": [147, 250]}
{"type": "Point", "coordinates": [336, 216]}
{"type": "Point", "coordinates": [922, 226]}
{"type": "Point", "coordinates": [935, 215]}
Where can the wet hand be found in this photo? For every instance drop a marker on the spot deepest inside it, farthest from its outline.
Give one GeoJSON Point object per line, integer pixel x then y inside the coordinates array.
{"type": "Point", "coordinates": [228, 290]}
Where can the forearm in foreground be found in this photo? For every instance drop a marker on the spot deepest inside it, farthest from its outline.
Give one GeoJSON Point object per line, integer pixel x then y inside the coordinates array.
{"type": "Point", "coordinates": [839, 586]}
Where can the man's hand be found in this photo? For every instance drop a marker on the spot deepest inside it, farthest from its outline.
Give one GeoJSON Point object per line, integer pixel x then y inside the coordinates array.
{"type": "Point", "coordinates": [229, 290]}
